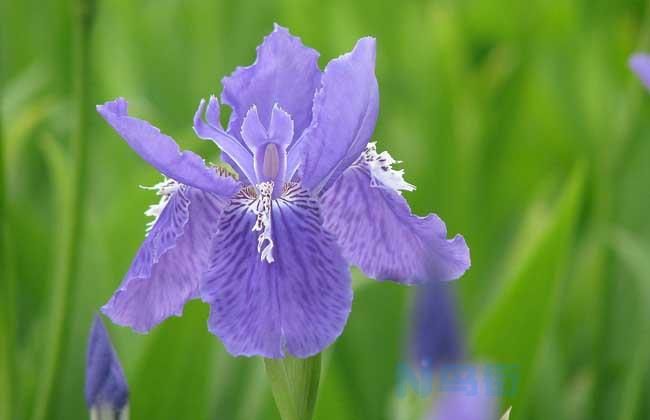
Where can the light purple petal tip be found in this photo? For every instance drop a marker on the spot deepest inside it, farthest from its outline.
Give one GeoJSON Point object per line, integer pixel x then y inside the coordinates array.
{"type": "Point", "coordinates": [345, 112]}
{"type": "Point", "coordinates": [285, 72]}
{"type": "Point", "coordinates": [105, 382]}
{"type": "Point", "coordinates": [213, 113]}
{"type": "Point", "coordinates": [299, 303]}
{"type": "Point", "coordinates": [377, 232]}
{"type": "Point", "coordinates": [166, 271]}
{"type": "Point", "coordinates": [163, 153]}
{"type": "Point", "coordinates": [252, 131]}
{"type": "Point", "coordinates": [640, 64]}
{"type": "Point", "coordinates": [281, 127]}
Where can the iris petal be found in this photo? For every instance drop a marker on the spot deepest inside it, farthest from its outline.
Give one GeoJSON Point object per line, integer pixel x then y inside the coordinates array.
{"type": "Point", "coordinates": [281, 126]}
{"type": "Point", "coordinates": [297, 304]}
{"type": "Point", "coordinates": [252, 131]}
{"type": "Point", "coordinates": [345, 112]}
{"type": "Point", "coordinates": [168, 266]}
{"type": "Point", "coordinates": [285, 72]}
{"type": "Point", "coordinates": [162, 152]}
{"type": "Point", "coordinates": [105, 382]}
{"type": "Point", "coordinates": [236, 151]}
{"type": "Point", "coordinates": [378, 233]}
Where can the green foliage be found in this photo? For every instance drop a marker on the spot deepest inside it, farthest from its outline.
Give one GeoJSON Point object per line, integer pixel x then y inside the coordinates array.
{"type": "Point", "coordinates": [511, 330]}
{"type": "Point", "coordinates": [519, 122]}
{"type": "Point", "coordinates": [294, 383]}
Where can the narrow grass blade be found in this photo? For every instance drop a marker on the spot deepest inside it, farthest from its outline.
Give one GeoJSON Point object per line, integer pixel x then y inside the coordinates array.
{"type": "Point", "coordinates": [72, 217]}
{"type": "Point", "coordinates": [511, 330]}
{"type": "Point", "coordinates": [634, 254]}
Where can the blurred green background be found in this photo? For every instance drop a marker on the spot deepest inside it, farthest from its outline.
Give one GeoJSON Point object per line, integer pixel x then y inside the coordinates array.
{"type": "Point", "coordinates": [518, 121]}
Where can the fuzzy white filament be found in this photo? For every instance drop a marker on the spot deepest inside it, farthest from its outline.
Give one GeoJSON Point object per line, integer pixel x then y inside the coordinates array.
{"type": "Point", "coordinates": [263, 222]}
{"type": "Point", "coordinates": [164, 189]}
{"type": "Point", "coordinates": [382, 173]}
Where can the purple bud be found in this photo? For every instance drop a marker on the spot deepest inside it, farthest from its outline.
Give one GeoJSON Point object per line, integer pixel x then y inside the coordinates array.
{"type": "Point", "coordinates": [640, 64]}
{"type": "Point", "coordinates": [106, 386]}
{"type": "Point", "coordinates": [435, 335]}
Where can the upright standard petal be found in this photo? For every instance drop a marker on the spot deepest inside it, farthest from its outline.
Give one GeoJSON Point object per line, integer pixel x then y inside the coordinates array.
{"type": "Point", "coordinates": [168, 266]}
{"type": "Point", "coordinates": [377, 232]}
{"type": "Point", "coordinates": [105, 383]}
{"type": "Point", "coordinates": [640, 63]}
{"type": "Point", "coordinates": [345, 112]}
{"type": "Point", "coordinates": [285, 72]}
{"type": "Point", "coordinates": [299, 303]}
{"type": "Point", "coordinates": [163, 153]}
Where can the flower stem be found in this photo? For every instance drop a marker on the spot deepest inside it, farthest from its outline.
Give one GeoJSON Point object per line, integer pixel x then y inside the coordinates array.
{"type": "Point", "coordinates": [294, 383]}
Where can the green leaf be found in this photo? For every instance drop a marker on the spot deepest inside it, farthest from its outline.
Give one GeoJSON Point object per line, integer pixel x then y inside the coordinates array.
{"type": "Point", "coordinates": [159, 392]}
{"type": "Point", "coordinates": [506, 415]}
{"type": "Point", "coordinates": [57, 164]}
{"type": "Point", "coordinates": [7, 330]}
{"type": "Point", "coordinates": [634, 253]}
{"type": "Point", "coordinates": [294, 383]}
{"type": "Point", "coordinates": [411, 405]}
{"type": "Point", "coordinates": [513, 326]}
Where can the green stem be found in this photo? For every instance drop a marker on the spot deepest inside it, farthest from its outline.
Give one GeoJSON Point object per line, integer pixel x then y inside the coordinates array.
{"type": "Point", "coordinates": [66, 270]}
{"type": "Point", "coordinates": [294, 383]}
{"type": "Point", "coordinates": [7, 311]}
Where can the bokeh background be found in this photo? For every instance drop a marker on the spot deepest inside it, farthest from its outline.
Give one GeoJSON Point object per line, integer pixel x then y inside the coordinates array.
{"type": "Point", "coordinates": [519, 122]}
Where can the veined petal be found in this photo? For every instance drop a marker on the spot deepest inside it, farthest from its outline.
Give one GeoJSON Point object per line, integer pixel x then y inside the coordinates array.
{"type": "Point", "coordinates": [163, 153]}
{"type": "Point", "coordinates": [297, 304]}
{"type": "Point", "coordinates": [285, 72]}
{"type": "Point", "coordinates": [345, 112]}
{"type": "Point", "coordinates": [238, 153]}
{"type": "Point", "coordinates": [168, 266]}
{"type": "Point", "coordinates": [377, 232]}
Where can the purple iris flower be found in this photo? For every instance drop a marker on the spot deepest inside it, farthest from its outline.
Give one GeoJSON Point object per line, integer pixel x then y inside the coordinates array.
{"type": "Point", "coordinates": [436, 345]}
{"type": "Point", "coordinates": [640, 64]}
{"type": "Point", "coordinates": [435, 337]}
{"type": "Point", "coordinates": [106, 388]}
{"type": "Point", "coordinates": [270, 251]}
{"type": "Point", "coordinates": [460, 406]}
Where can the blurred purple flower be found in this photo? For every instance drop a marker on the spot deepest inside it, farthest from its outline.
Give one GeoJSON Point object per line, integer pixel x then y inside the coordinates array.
{"type": "Point", "coordinates": [106, 387]}
{"type": "Point", "coordinates": [437, 345]}
{"type": "Point", "coordinates": [435, 337]}
{"type": "Point", "coordinates": [270, 252]}
{"type": "Point", "coordinates": [640, 64]}
{"type": "Point", "coordinates": [460, 406]}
